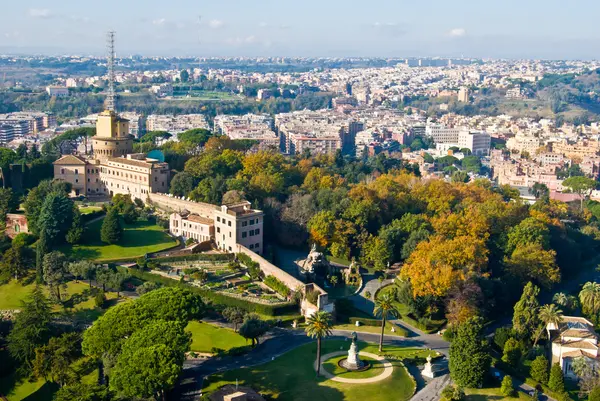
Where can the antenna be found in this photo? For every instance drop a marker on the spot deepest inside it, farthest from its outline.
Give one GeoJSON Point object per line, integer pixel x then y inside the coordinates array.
{"type": "Point", "coordinates": [111, 99]}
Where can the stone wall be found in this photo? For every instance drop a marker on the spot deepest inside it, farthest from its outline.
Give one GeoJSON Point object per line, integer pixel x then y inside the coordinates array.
{"type": "Point", "coordinates": [270, 269]}
{"type": "Point", "coordinates": [172, 204]}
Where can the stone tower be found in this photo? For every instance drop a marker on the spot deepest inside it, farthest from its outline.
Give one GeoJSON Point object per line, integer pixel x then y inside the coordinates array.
{"type": "Point", "coordinates": [112, 136]}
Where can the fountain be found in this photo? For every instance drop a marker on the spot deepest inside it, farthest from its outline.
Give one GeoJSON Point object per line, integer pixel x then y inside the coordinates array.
{"type": "Point", "coordinates": [353, 362]}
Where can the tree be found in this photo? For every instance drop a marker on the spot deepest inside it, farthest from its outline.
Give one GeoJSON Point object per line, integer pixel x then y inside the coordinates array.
{"type": "Point", "coordinates": [532, 262]}
{"type": "Point", "coordinates": [375, 253]}
{"type": "Point", "coordinates": [82, 270]}
{"type": "Point", "coordinates": [589, 378]}
{"type": "Point", "coordinates": [111, 230]}
{"type": "Point", "coordinates": [31, 327]}
{"type": "Point", "coordinates": [182, 184]}
{"type": "Point", "coordinates": [469, 358]}
{"type": "Point", "coordinates": [512, 352]}
{"type": "Point", "coordinates": [14, 261]}
{"type": "Point", "coordinates": [384, 307]}
{"type": "Point", "coordinates": [116, 281]}
{"type": "Point", "coordinates": [539, 369]}
{"type": "Point", "coordinates": [8, 202]}
{"type": "Point", "coordinates": [525, 316]}
{"type": "Point", "coordinates": [321, 227]}
{"type": "Point", "coordinates": [460, 176]}
{"type": "Point", "coordinates": [82, 392]}
{"type": "Point", "coordinates": [55, 271]}
{"type": "Point", "coordinates": [234, 315]}
{"type": "Point", "coordinates": [594, 395]}
{"type": "Point", "coordinates": [556, 381]}
{"type": "Point", "coordinates": [507, 388]}
{"type": "Point", "coordinates": [104, 277]}
{"type": "Point", "coordinates": [53, 361]}
{"type": "Point", "coordinates": [548, 314]}
{"type": "Point", "coordinates": [76, 231]}
{"type": "Point", "coordinates": [565, 301]}
{"type": "Point", "coordinates": [539, 191]}
{"type": "Point", "coordinates": [40, 250]}
{"type": "Point", "coordinates": [253, 328]}
{"type": "Point", "coordinates": [453, 393]}
{"type": "Point", "coordinates": [589, 297]}
{"type": "Point", "coordinates": [184, 76]}
{"type": "Point", "coordinates": [582, 186]}
{"type": "Point", "coordinates": [318, 326]}
{"type": "Point", "coordinates": [147, 287]}
{"type": "Point", "coordinates": [151, 360]}
{"type": "Point", "coordinates": [56, 217]}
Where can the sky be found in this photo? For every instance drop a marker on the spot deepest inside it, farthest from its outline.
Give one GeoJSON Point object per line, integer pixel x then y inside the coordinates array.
{"type": "Point", "coordinates": [547, 29]}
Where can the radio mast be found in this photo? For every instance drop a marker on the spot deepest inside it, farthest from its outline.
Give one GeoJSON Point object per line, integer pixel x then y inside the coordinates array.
{"type": "Point", "coordinates": [111, 99]}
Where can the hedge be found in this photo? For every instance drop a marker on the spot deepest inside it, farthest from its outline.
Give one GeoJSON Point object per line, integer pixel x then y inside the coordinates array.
{"type": "Point", "coordinates": [277, 285]}
{"type": "Point", "coordinates": [218, 298]}
{"type": "Point", "coordinates": [209, 257]}
{"type": "Point", "coordinates": [401, 331]}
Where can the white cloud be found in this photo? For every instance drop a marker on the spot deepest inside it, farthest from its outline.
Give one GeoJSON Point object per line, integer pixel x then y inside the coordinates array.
{"type": "Point", "coordinates": [457, 32]}
{"type": "Point", "coordinates": [39, 13]}
{"type": "Point", "coordinates": [216, 23]}
{"type": "Point", "coordinates": [159, 21]}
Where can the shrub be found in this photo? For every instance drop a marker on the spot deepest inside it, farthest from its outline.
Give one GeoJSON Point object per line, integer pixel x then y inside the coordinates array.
{"type": "Point", "coordinates": [100, 299]}
{"type": "Point", "coordinates": [277, 285]}
{"type": "Point", "coordinates": [210, 257]}
{"type": "Point", "coordinates": [313, 297]}
{"type": "Point", "coordinates": [507, 389]}
{"type": "Point", "coordinates": [368, 294]}
{"type": "Point", "coordinates": [453, 393]}
{"type": "Point", "coordinates": [512, 352]}
{"type": "Point", "coordinates": [502, 335]}
{"type": "Point", "coordinates": [556, 381]}
{"type": "Point", "coordinates": [539, 369]}
{"type": "Point", "coordinates": [449, 334]}
{"type": "Point", "coordinates": [365, 322]}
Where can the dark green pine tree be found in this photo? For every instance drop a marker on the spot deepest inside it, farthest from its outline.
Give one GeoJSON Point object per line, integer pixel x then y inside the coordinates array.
{"type": "Point", "coordinates": [112, 229]}
{"type": "Point", "coordinates": [469, 358]}
{"type": "Point", "coordinates": [40, 250]}
{"type": "Point", "coordinates": [556, 381]}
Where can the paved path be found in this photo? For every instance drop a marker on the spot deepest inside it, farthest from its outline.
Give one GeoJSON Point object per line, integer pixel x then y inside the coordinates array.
{"type": "Point", "coordinates": [433, 390]}
{"type": "Point", "coordinates": [388, 369]}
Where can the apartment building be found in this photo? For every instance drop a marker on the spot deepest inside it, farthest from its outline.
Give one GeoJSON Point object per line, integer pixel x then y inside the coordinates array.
{"type": "Point", "coordinates": [191, 226]}
{"type": "Point", "coordinates": [239, 224]}
{"type": "Point", "coordinates": [57, 91]}
{"type": "Point", "coordinates": [478, 142]}
{"type": "Point", "coordinates": [442, 134]}
{"type": "Point", "coordinates": [175, 124]}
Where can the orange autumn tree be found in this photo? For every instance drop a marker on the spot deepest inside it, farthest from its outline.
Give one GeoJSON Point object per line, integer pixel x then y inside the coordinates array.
{"type": "Point", "coordinates": [439, 263]}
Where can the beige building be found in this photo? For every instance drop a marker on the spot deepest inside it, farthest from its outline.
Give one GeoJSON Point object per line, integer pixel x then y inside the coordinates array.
{"type": "Point", "coordinates": [574, 338]}
{"type": "Point", "coordinates": [239, 224]}
{"type": "Point", "coordinates": [192, 226]}
{"type": "Point", "coordinates": [113, 169]}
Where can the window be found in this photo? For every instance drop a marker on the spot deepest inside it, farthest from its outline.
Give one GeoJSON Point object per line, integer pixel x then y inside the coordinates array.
{"type": "Point", "coordinates": [229, 223]}
{"type": "Point", "coordinates": [76, 180]}
{"type": "Point", "coordinates": [257, 231]}
{"type": "Point", "coordinates": [251, 233]}
{"type": "Point", "coordinates": [218, 219]}
{"type": "Point", "coordinates": [257, 245]}
{"type": "Point", "coordinates": [251, 246]}
{"type": "Point", "coordinates": [62, 170]}
{"type": "Point", "coordinates": [252, 222]}
{"type": "Point", "coordinates": [244, 223]}
{"type": "Point", "coordinates": [229, 249]}
{"type": "Point", "coordinates": [244, 234]}
{"type": "Point", "coordinates": [218, 229]}
{"type": "Point", "coordinates": [76, 171]}
{"type": "Point", "coordinates": [229, 234]}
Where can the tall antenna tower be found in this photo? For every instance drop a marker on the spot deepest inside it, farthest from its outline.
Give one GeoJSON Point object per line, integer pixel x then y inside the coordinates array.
{"type": "Point", "coordinates": [111, 99]}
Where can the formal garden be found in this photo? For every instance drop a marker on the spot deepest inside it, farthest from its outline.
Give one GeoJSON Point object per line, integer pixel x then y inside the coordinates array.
{"type": "Point", "coordinates": [292, 375]}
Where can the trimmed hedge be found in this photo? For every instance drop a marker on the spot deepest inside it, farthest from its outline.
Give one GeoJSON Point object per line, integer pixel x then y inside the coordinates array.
{"type": "Point", "coordinates": [209, 257]}
{"type": "Point", "coordinates": [377, 323]}
{"type": "Point", "coordinates": [218, 298]}
{"type": "Point", "coordinates": [277, 286]}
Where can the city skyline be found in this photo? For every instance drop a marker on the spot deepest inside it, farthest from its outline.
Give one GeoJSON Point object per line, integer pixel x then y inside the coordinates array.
{"type": "Point", "coordinates": [310, 29]}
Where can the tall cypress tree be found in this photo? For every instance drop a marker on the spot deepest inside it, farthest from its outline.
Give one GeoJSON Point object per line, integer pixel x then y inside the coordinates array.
{"type": "Point", "coordinates": [112, 229]}
{"type": "Point", "coordinates": [469, 358]}
{"type": "Point", "coordinates": [525, 317]}
{"type": "Point", "coordinates": [40, 250]}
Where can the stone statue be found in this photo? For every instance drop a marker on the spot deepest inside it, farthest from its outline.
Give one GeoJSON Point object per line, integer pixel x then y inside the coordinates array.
{"type": "Point", "coordinates": [428, 369]}
{"type": "Point", "coordinates": [353, 361]}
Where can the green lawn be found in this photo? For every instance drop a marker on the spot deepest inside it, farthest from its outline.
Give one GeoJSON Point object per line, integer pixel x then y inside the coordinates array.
{"type": "Point", "coordinates": [292, 377]}
{"type": "Point", "coordinates": [14, 292]}
{"type": "Point", "coordinates": [138, 239]}
{"type": "Point", "coordinates": [332, 367]}
{"type": "Point", "coordinates": [400, 332]}
{"type": "Point", "coordinates": [89, 209]}
{"type": "Point", "coordinates": [482, 394]}
{"type": "Point", "coordinates": [22, 389]}
{"type": "Point", "coordinates": [206, 336]}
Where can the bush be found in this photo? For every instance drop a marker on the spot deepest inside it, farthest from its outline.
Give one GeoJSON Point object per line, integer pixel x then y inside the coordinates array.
{"type": "Point", "coordinates": [453, 393]}
{"type": "Point", "coordinates": [539, 369]}
{"type": "Point", "coordinates": [512, 352]}
{"type": "Point", "coordinates": [100, 299]}
{"type": "Point", "coordinates": [449, 334]}
{"type": "Point", "coordinates": [502, 335]}
{"type": "Point", "coordinates": [365, 322]}
{"type": "Point", "coordinates": [277, 285]}
{"type": "Point", "coordinates": [556, 381]}
{"type": "Point", "coordinates": [507, 389]}
{"type": "Point", "coordinates": [210, 257]}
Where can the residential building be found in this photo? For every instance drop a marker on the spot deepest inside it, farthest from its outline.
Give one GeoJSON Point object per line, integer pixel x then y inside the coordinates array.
{"type": "Point", "coordinates": [191, 226]}
{"type": "Point", "coordinates": [57, 91]}
{"type": "Point", "coordinates": [478, 142]}
{"type": "Point", "coordinates": [239, 224]}
{"type": "Point", "coordinates": [464, 95]}
{"type": "Point", "coordinates": [175, 124]}
{"type": "Point", "coordinates": [573, 338]}
{"type": "Point", "coordinates": [442, 134]}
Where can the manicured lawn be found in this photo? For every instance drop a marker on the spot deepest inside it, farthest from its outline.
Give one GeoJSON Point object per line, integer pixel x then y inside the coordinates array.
{"type": "Point", "coordinates": [400, 332]}
{"type": "Point", "coordinates": [292, 377]}
{"type": "Point", "coordinates": [89, 209]}
{"type": "Point", "coordinates": [138, 239]}
{"type": "Point", "coordinates": [332, 367]}
{"type": "Point", "coordinates": [206, 336]}
{"type": "Point", "coordinates": [482, 394]}
{"type": "Point", "coordinates": [20, 389]}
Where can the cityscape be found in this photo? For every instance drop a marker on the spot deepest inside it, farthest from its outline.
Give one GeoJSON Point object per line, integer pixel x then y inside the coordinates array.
{"type": "Point", "coordinates": [196, 207]}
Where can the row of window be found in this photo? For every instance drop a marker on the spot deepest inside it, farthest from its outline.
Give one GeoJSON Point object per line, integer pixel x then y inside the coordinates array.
{"type": "Point", "coordinates": [250, 223]}
{"type": "Point", "coordinates": [254, 246]}
{"type": "Point", "coordinates": [251, 232]}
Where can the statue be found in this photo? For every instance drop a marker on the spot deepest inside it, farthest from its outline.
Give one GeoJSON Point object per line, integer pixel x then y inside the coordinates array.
{"type": "Point", "coordinates": [353, 361]}
{"type": "Point", "coordinates": [428, 369]}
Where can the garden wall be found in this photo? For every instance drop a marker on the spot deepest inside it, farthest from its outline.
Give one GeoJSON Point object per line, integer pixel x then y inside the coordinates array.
{"type": "Point", "coordinates": [270, 269]}
{"type": "Point", "coordinates": [173, 204]}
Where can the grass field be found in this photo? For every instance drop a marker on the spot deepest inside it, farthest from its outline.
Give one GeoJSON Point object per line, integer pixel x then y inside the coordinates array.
{"type": "Point", "coordinates": [22, 389]}
{"type": "Point", "coordinates": [372, 329]}
{"type": "Point", "coordinates": [138, 239]}
{"type": "Point", "coordinates": [332, 367]}
{"type": "Point", "coordinates": [206, 336]}
{"type": "Point", "coordinates": [89, 209]}
{"type": "Point", "coordinates": [483, 394]}
{"type": "Point", "coordinates": [292, 377]}
{"type": "Point", "coordinates": [14, 292]}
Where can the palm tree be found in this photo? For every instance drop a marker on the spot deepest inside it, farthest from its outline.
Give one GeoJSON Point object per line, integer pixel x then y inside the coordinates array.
{"type": "Point", "coordinates": [318, 326]}
{"type": "Point", "coordinates": [561, 299]}
{"type": "Point", "coordinates": [590, 299]}
{"type": "Point", "coordinates": [384, 307]}
{"type": "Point", "coordinates": [548, 314]}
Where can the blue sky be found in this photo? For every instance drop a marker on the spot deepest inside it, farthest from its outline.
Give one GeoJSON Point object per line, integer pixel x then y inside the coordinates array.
{"type": "Point", "coordinates": [389, 28]}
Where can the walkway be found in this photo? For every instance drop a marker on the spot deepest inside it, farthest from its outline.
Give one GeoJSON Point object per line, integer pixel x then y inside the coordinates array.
{"type": "Point", "coordinates": [388, 369]}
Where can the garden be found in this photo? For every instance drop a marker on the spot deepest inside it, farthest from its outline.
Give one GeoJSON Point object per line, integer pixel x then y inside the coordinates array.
{"type": "Point", "coordinates": [292, 376]}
